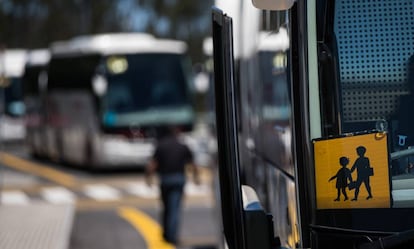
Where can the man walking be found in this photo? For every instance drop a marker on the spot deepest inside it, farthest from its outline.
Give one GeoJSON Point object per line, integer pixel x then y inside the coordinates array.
{"type": "Point", "coordinates": [169, 161]}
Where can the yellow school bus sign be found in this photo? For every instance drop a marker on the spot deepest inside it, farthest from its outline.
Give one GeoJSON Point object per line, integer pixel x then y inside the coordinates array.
{"type": "Point", "coordinates": [352, 172]}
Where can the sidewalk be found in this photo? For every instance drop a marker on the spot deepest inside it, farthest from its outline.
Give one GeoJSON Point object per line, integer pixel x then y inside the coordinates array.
{"type": "Point", "coordinates": [35, 226]}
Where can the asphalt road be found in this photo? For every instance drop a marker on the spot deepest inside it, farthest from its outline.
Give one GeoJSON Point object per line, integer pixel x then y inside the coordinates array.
{"type": "Point", "coordinates": [111, 209]}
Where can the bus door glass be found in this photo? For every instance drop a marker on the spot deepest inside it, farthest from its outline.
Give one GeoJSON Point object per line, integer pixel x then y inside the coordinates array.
{"type": "Point", "coordinates": [370, 47]}
{"type": "Point", "coordinates": [275, 105]}
{"type": "Point", "coordinates": [376, 62]}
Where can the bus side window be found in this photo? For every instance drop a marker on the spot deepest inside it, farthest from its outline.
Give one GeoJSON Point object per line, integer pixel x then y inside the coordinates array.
{"type": "Point", "coordinates": [402, 125]}
{"type": "Point", "coordinates": [405, 121]}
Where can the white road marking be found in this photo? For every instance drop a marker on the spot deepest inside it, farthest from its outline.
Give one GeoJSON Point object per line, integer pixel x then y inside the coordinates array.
{"type": "Point", "coordinates": [141, 189]}
{"type": "Point", "coordinates": [192, 189]}
{"type": "Point", "coordinates": [14, 197]}
{"type": "Point", "coordinates": [58, 195]}
{"type": "Point", "coordinates": [102, 192]}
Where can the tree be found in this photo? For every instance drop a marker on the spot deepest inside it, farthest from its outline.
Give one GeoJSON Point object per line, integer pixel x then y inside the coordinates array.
{"type": "Point", "coordinates": [186, 20]}
{"type": "Point", "coordinates": [37, 23]}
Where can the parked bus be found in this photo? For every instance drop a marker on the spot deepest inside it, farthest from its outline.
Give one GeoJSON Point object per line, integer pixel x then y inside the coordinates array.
{"type": "Point", "coordinates": [34, 82]}
{"type": "Point", "coordinates": [109, 96]}
{"type": "Point", "coordinates": [315, 138]}
{"type": "Point", "coordinates": [12, 108]}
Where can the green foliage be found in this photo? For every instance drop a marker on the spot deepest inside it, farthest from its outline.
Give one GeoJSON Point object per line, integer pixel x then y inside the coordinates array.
{"type": "Point", "coordinates": [188, 20]}
{"type": "Point", "coordinates": [36, 23]}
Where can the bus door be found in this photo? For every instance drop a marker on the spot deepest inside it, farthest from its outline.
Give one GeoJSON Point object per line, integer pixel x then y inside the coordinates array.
{"type": "Point", "coordinates": [245, 223]}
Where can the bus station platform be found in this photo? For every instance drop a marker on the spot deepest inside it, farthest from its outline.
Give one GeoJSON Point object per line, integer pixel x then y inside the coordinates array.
{"type": "Point", "coordinates": [35, 226]}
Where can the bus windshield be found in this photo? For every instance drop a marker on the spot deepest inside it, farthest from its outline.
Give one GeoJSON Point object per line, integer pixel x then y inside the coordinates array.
{"type": "Point", "coordinates": [146, 89]}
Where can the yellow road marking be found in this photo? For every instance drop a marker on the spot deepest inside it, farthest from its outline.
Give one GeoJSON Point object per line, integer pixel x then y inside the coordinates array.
{"type": "Point", "coordinates": [146, 226]}
{"type": "Point", "coordinates": [38, 169]}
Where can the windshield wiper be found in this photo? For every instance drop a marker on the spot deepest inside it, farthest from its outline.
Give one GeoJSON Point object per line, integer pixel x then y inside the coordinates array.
{"type": "Point", "coordinates": [391, 241]}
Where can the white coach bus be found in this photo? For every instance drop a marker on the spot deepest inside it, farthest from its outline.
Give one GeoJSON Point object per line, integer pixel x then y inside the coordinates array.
{"type": "Point", "coordinates": [12, 63]}
{"type": "Point", "coordinates": [109, 96]}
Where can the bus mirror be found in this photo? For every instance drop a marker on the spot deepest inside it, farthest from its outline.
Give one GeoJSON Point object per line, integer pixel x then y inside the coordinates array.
{"type": "Point", "coordinates": [201, 82]}
{"type": "Point", "coordinates": [99, 85]}
{"type": "Point", "coordinates": [273, 4]}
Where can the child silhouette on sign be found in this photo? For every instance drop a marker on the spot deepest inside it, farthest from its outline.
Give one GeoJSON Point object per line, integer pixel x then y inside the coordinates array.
{"type": "Point", "coordinates": [342, 177]}
{"type": "Point", "coordinates": [364, 171]}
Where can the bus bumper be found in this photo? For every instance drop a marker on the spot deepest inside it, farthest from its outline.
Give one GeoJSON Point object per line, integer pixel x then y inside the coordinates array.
{"type": "Point", "coordinates": [116, 152]}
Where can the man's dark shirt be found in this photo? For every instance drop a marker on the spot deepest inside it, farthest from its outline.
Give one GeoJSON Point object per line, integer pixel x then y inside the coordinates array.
{"type": "Point", "coordinates": [172, 156]}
